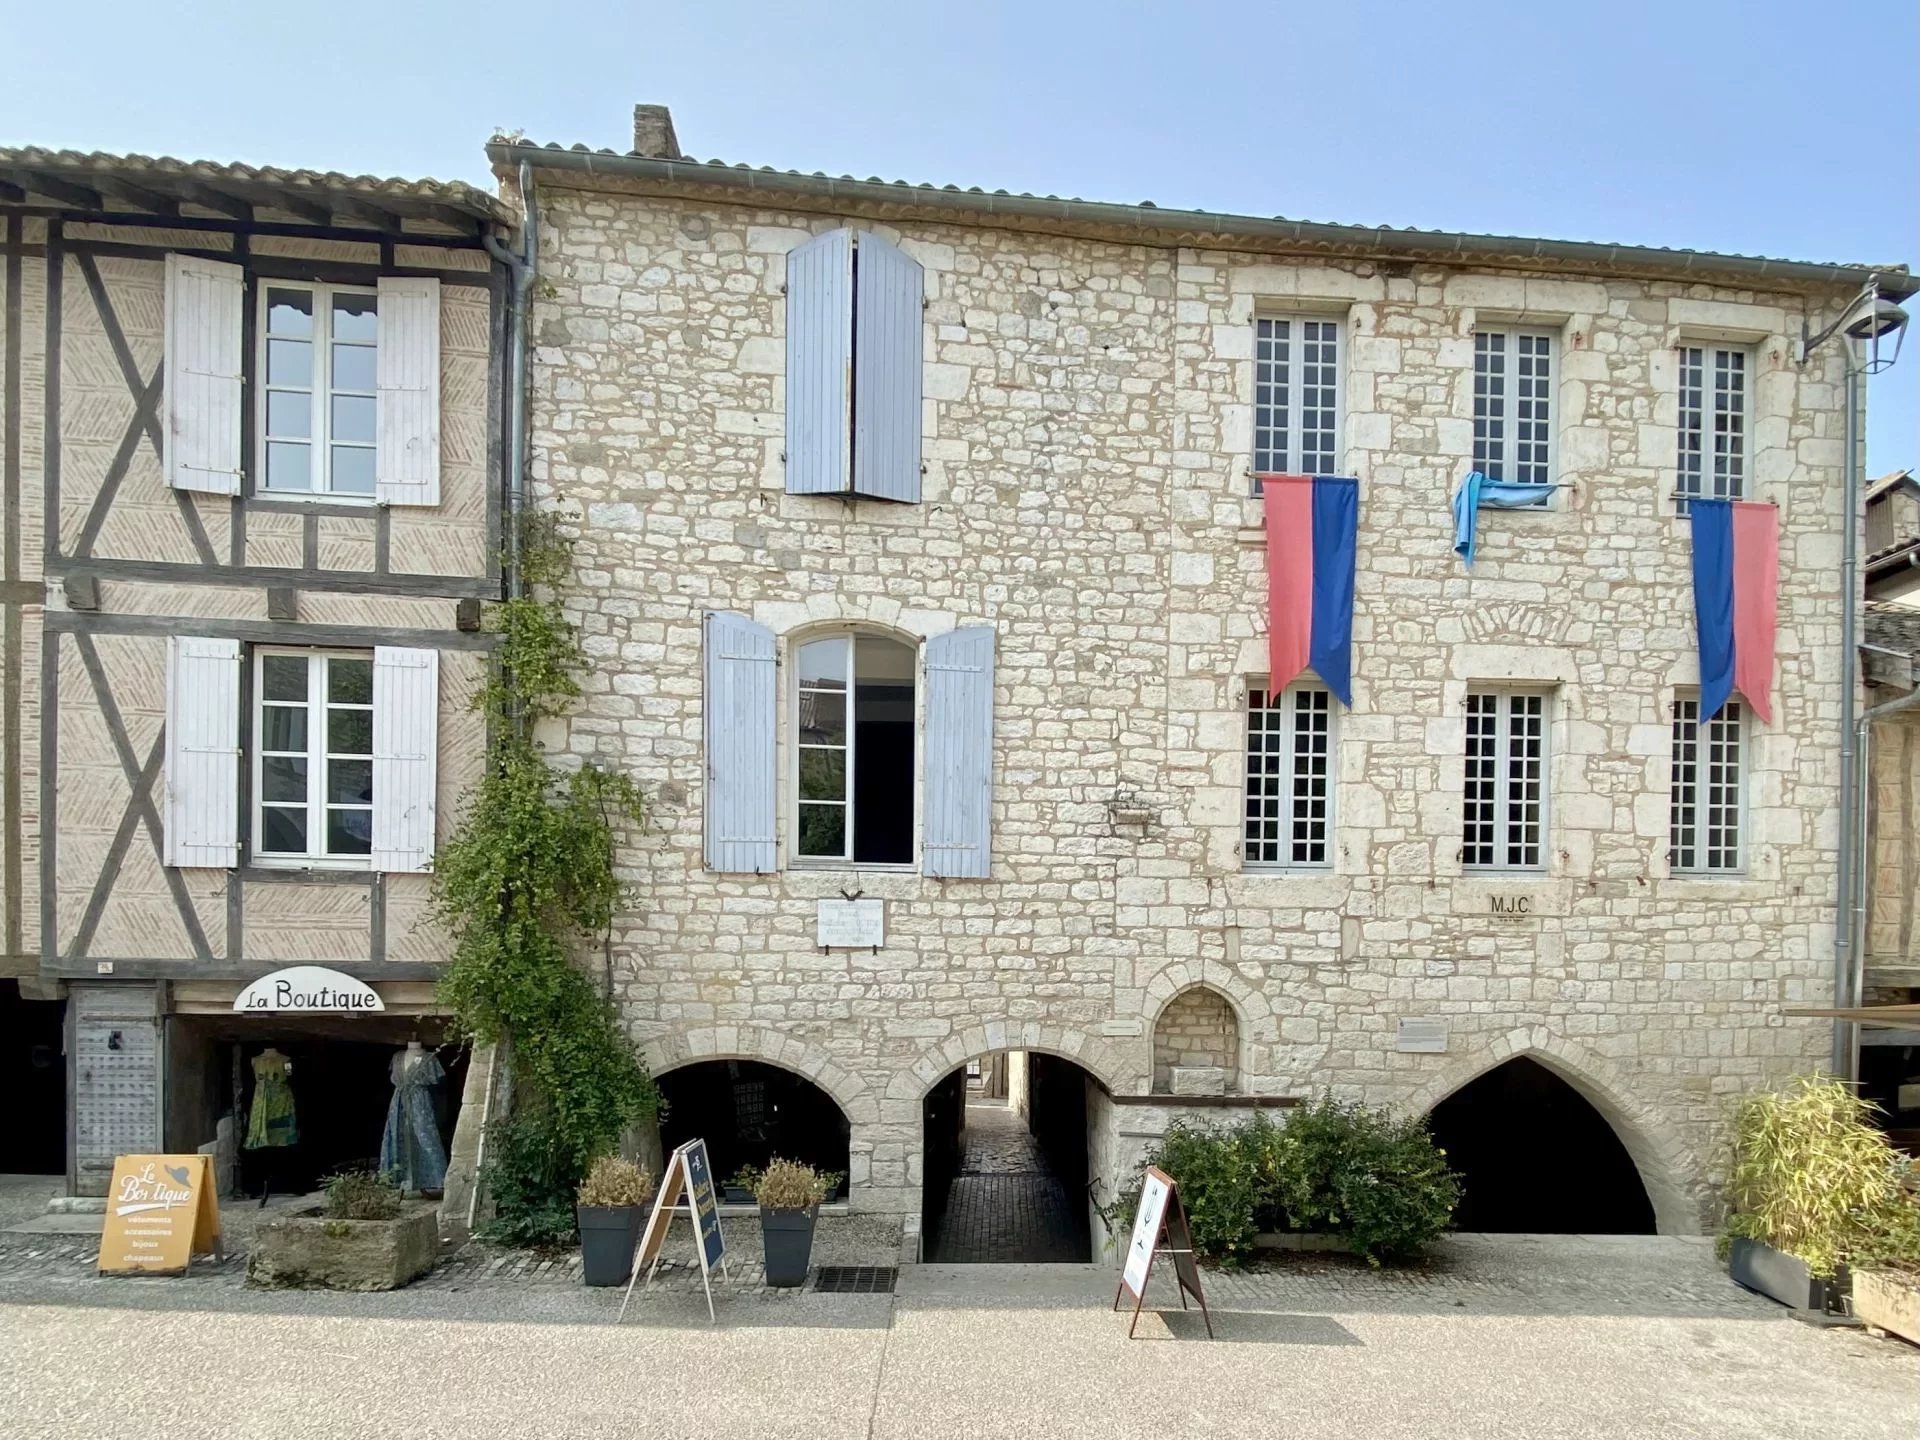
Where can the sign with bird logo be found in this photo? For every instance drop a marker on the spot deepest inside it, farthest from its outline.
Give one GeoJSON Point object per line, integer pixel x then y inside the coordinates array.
{"type": "Point", "coordinates": [161, 1212]}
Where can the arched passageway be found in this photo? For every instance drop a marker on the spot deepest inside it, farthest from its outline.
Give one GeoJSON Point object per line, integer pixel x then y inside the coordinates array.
{"type": "Point", "coordinates": [748, 1112]}
{"type": "Point", "coordinates": [1534, 1156]}
{"type": "Point", "coordinates": [1006, 1177]}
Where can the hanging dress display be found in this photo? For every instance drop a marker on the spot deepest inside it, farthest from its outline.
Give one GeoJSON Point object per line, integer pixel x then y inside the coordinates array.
{"type": "Point", "coordinates": [270, 1124]}
{"type": "Point", "coordinates": [411, 1154]}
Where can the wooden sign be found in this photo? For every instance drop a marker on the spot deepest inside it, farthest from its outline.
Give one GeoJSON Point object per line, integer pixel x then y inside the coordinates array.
{"type": "Point", "coordinates": [308, 989]}
{"type": "Point", "coordinates": [161, 1212]}
{"type": "Point", "coordinates": [689, 1173]}
{"type": "Point", "coordinates": [1160, 1224]}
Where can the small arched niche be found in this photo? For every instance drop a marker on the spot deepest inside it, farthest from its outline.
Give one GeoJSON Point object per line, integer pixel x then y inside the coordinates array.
{"type": "Point", "coordinates": [1197, 1034]}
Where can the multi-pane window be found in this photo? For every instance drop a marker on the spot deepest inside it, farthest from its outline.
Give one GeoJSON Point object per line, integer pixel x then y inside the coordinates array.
{"type": "Point", "coordinates": [318, 391]}
{"type": "Point", "coordinates": [1706, 804]}
{"type": "Point", "coordinates": [1289, 776]}
{"type": "Point", "coordinates": [1296, 397]}
{"type": "Point", "coordinates": [1713, 423]}
{"type": "Point", "coordinates": [854, 750]}
{"type": "Point", "coordinates": [313, 754]}
{"type": "Point", "coordinates": [1513, 406]}
{"type": "Point", "coordinates": [1506, 796]}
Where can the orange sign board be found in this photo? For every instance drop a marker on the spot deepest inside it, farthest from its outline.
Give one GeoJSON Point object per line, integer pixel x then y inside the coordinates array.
{"type": "Point", "coordinates": [161, 1212]}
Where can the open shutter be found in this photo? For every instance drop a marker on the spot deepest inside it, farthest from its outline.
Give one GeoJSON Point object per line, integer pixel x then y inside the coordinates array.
{"type": "Point", "coordinates": [406, 732]}
{"type": "Point", "coordinates": [202, 828]}
{"type": "Point", "coordinates": [407, 457]}
{"type": "Point", "coordinates": [957, 825]}
{"type": "Point", "coordinates": [886, 371]}
{"type": "Point", "coordinates": [202, 382]}
{"type": "Point", "coordinates": [819, 363]}
{"type": "Point", "coordinates": [740, 701]}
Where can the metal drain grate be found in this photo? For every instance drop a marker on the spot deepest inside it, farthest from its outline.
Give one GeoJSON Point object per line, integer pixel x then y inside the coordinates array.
{"type": "Point", "coordinates": [855, 1279]}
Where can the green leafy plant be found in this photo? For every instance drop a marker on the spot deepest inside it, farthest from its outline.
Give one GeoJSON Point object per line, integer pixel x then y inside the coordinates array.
{"type": "Point", "coordinates": [1812, 1177]}
{"type": "Point", "coordinates": [360, 1195]}
{"type": "Point", "coordinates": [789, 1185]}
{"type": "Point", "coordinates": [527, 877]}
{"type": "Point", "coordinates": [747, 1177]}
{"type": "Point", "coordinates": [615, 1180]}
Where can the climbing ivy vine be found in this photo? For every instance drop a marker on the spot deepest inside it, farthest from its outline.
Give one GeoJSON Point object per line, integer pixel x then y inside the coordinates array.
{"type": "Point", "coordinates": [527, 878]}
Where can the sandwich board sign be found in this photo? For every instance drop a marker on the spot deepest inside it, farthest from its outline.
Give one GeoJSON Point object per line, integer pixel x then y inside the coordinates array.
{"type": "Point", "coordinates": [1160, 1224]}
{"type": "Point", "coordinates": [689, 1173]}
{"type": "Point", "coordinates": [161, 1212]}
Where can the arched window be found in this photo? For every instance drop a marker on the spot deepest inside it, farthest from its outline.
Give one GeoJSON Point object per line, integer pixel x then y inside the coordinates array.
{"type": "Point", "coordinates": [854, 753]}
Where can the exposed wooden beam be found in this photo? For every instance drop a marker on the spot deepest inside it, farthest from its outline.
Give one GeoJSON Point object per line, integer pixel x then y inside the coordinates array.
{"type": "Point", "coordinates": [65, 191]}
{"type": "Point", "coordinates": [312, 211]}
{"type": "Point", "coordinates": [384, 221]}
{"type": "Point", "coordinates": [132, 194]}
{"type": "Point", "coordinates": [218, 201]}
{"type": "Point", "coordinates": [445, 214]}
{"type": "Point", "coordinates": [12, 194]}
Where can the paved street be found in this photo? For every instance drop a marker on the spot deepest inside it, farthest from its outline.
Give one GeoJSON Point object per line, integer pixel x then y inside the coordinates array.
{"type": "Point", "coordinates": [1512, 1336]}
{"type": "Point", "coordinates": [1004, 1204]}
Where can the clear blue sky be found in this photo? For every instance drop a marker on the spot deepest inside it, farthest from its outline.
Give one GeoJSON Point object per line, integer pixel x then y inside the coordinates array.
{"type": "Point", "coordinates": [1760, 126]}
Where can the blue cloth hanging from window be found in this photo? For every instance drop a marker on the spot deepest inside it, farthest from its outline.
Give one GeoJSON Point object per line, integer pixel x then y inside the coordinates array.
{"type": "Point", "coordinates": [1477, 490]}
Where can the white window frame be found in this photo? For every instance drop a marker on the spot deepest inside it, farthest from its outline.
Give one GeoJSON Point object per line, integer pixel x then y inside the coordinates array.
{"type": "Point", "coordinates": [1697, 472]}
{"type": "Point", "coordinates": [1506, 699]}
{"type": "Point", "coordinates": [320, 422]}
{"type": "Point", "coordinates": [1292, 708]}
{"type": "Point", "coordinates": [1286, 457]}
{"type": "Point", "coordinates": [1493, 455]}
{"type": "Point", "coordinates": [1686, 730]}
{"type": "Point", "coordinates": [845, 860]}
{"type": "Point", "coordinates": [317, 706]}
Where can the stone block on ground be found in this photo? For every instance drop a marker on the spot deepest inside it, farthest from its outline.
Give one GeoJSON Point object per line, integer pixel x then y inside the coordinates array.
{"type": "Point", "coordinates": [1197, 1080]}
{"type": "Point", "coordinates": [308, 1250]}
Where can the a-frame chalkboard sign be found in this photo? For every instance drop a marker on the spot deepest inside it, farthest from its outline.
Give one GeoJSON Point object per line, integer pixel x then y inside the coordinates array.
{"type": "Point", "coordinates": [1160, 1223]}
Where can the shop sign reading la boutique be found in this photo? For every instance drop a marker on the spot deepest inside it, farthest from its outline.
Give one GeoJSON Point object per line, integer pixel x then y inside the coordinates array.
{"type": "Point", "coordinates": [308, 989]}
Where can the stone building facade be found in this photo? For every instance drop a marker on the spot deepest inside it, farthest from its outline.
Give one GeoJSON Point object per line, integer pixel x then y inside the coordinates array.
{"type": "Point", "coordinates": [1089, 424]}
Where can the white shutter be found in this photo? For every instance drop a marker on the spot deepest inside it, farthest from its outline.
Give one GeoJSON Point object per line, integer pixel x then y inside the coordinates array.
{"type": "Point", "coordinates": [202, 811]}
{"type": "Point", "coordinates": [204, 299]}
{"type": "Point", "coordinates": [740, 699]}
{"type": "Point", "coordinates": [819, 363]}
{"type": "Point", "coordinates": [957, 826]}
{"type": "Point", "coordinates": [888, 330]}
{"type": "Point", "coordinates": [407, 458]}
{"type": "Point", "coordinates": [406, 731]}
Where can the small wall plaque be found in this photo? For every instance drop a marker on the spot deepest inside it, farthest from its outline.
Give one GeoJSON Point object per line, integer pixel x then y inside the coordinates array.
{"type": "Point", "coordinates": [851, 924]}
{"type": "Point", "coordinates": [1122, 1029]}
{"type": "Point", "coordinates": [1421, 1035]}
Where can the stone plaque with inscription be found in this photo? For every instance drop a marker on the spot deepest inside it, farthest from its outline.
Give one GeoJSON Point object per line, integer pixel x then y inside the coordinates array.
{"type": "Point", "coordinates": [1421, 1035]}
{"type": "Point", "coordinates": [851, 924]}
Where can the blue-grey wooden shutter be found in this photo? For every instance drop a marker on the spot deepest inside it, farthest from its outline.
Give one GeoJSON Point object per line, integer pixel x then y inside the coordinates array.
{"type": "Point", "coordinates": [740, 706]}
{"type": "Point", "coordinates": [956, 823]}
{"type": "Point", "coordinates": [887, 337]}
{"type": "Point", "coordinates": [819, 363]}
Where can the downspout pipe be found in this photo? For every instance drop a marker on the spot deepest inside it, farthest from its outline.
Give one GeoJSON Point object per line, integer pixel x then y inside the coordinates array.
{"type": "Point", "coordinates": [1857, 925]}
{"type": "Point", "coordinates": [522, 266]}
{"type": "Point", "coordinates": [1845, 939]}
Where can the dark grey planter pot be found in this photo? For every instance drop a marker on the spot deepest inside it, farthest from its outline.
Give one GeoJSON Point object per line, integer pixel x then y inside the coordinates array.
{"type": "Point", "coordinates": [1783, 1277]}
{"type": "Point", "coordinates": [608, 1236]}
{"type": "Point", "coordinates": [788, 1238]}
{"type": "Point", "coordinates": [737, 1195]}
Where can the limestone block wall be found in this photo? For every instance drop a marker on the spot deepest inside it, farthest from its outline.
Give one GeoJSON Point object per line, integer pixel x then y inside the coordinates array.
{"type": "Point", "coordinates": [1196, 1028]}
{"type": "Point", "coordinates": [1087, 434]}
{"type": "Point", "coordinates": [1893, 872]}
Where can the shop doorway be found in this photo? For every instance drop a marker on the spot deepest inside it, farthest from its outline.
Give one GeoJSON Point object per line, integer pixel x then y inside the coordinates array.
{"type": "Point", "coordinates": [1535, 1157]}
{"type": "Point", "coordinates": [749, 1113]}
{"type": "Point", "coordinates": [1005, 1162]}
{"type": "Point", "coordinates": [33, 1083]}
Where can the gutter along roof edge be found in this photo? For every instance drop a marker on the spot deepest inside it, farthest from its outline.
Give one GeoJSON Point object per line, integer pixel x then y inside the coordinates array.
{"type": "Point", "coordinates": [1215, 230]}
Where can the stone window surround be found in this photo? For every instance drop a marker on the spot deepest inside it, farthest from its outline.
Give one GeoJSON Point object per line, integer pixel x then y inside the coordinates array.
{"type": "Point", "coordinates": [1502, 824]}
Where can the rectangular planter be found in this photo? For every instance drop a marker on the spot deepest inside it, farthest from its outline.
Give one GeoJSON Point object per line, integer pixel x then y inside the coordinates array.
{"type": "Point", "coordinates": [1783, 1277]}
{"type": "Point", "coordinates": [307, 1250]}
{"type": "Point", "coordinates": [609, 1234]}
{"type": "Point", "coordinates": [787, 1236]}
{"type": "Point", "coordinates": [1888, 1300]}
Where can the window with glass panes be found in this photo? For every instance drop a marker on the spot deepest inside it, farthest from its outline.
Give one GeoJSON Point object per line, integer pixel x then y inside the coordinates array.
{"type": "Point", "coordinates": [1713, 423]}
{"type": "Point", "coordinates": [1289, 799]}
{"type": "Point", "coordinates": [1296, 397]}
{"type": "Point", "coordinates": [1513, 405]}
{"type": "Point", "coordinates": [318, 391]}
{"type": "Point", "coordinates": [1706, 804]}
{"type": "Point", "coordinates": [313, 755]}
{"type": "Point", "coordinates": [1506, 794]}
{"type": "Point", "coordinates": [854, 750]}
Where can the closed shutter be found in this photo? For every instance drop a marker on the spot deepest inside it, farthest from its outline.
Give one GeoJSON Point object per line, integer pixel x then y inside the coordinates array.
{"type": "Point", "coordinates": [204, 299]}
{"type": "Point", "coordinates": [116, 1055]}
{"type": "Point", "coordinates": [888, 328]}
{"type": "Point", "coordinates": [819, 363]}
{"type": "Point", "coordinates": [740, 701]}
{"type": "Point", "coordinates": [203, 753]}
{"type": "Point", "coordinates": [407, 458]}
{"type": "Point", "coordinates": [957, 828]}
{"type": "Point", "coordinates": [406, 730]}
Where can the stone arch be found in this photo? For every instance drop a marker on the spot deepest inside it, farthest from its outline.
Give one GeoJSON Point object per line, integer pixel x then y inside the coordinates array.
{"type": "Point", "coordinates": [1258, 1025]}
{"type": "Point", "coordinates": [1197, 1027]}
{"type": "Point", "coordinates": [1120, 1073]}
{"type": "Point", "coordinates": [848, 1090]}
{"type": "Point", "coordinates": [1666, 1170]}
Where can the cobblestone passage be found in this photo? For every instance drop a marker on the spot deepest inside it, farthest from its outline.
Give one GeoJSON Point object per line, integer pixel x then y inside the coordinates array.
{"type": "Point", "coordinates": [1005, 1205]}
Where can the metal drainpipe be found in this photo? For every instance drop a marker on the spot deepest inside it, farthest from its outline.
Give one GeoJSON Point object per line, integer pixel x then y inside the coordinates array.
{"type": "Point", "coordinates": [1843, 936]}
{"type": "Point", "coordinates": [1857, 924]}
{"type": "Point", "coordinates": [523, 267]}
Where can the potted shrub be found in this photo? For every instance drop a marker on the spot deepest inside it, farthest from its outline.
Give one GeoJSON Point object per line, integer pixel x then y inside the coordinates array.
{"type": "Point", "coordinates": [613, 1206]}
{"type": "Point", "coordinates": [1813, 1186]}
{"type": "Point", "coordinates": [836, 1183]}
{"type": "Point", "coordinates": [366, 1237]}
{"type": "Point", "coordinates": [740, 1186]}
{"type": "Point", "coordinates": [1886, 1270]}
{"type": "Point", "coordinates": [790, 1194]}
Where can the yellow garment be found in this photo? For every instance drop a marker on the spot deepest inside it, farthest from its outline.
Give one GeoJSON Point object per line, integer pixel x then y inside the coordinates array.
{"type": "Point", "coordinates": [271, 1122]}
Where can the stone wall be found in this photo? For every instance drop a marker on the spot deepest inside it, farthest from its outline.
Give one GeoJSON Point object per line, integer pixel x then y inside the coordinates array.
{"type": "Point", "coordinates": [1196, 1029]}
{"type": "Point", "coordinates": [1893, 874]}
{"type": "Point", "coordinates": [1087, 432]}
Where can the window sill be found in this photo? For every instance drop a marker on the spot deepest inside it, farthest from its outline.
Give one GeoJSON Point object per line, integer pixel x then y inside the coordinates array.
{"type": "Point", "coordinates": [285, 865]}
{"type": "Point", "coordinates": [293, 499]}
{"type": "Point", "coordinates": [851, 867]}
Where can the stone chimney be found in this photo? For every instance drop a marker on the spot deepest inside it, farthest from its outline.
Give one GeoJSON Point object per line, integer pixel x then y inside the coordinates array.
{"type": "Point", "coordinates": [653, 134]}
